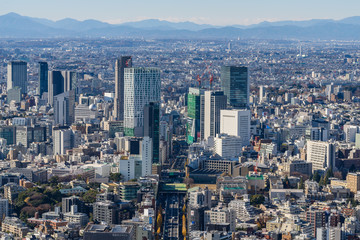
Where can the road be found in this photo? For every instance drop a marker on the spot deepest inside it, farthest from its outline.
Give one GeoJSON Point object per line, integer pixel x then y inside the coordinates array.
{"type": "Point", "coordinates": [172, 217]}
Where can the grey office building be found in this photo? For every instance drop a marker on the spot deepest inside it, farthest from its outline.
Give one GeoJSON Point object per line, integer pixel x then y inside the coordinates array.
{"type": "Point", "coordinates": [236, 86]}
{"type": "Point", "coordinates": [43, 78]}
{"type": "Point", "coordinates": [120, 64]}
{"type": "Point", "coordinates": [151, 127]}
{"type": "Point", "coordinates": [17, 76]}
{"type": "Point", "coordinates": [59, 82]}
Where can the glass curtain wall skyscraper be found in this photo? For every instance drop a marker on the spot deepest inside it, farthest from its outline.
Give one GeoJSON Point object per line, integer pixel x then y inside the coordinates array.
{"type": "Point", "coordinates": [43, 78]}
{"type": "Point", "coordinates": [151, 127]}
{"type": "Point", "coordinates": [17, 76]}
{"type": "Point", "coordinates": [236, 86]}
{"type": "Point", "coordinates": [59, 82]}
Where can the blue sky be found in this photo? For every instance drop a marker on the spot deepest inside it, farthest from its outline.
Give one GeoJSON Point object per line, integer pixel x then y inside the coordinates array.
{"type": "Point", "coordinates": [220, 12]}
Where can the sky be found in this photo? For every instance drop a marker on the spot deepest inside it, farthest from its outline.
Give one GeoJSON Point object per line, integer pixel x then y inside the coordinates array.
{"type": "Point", "coordinates": [216, 12]}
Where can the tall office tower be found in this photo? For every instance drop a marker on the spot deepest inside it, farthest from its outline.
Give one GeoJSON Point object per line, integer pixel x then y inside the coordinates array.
{"type": "Point", "coordinates": [321, 155]}
{"type": "Point", "coordinates": [64, 108]}
{"type": "Point", "coordinates": [152, 126]}
{"type": "Point", "coordinates": [120, 65]}
{"type": "Point", "coordinates": [210, 105]}
{"type": "Point", "coordinates": [43, 78]}
{"type": "Point", "coordinates": [193, 122]}
{"type": "Point", "coordinates": [236, 123]}
{"type": "Point", "coordinates": [59, 82]}
{"type": "Point", "coordinates": [236, 85]}
{"type": "Point", "coordinates": [262, 93]}
{"type": "Point", "coordinates": [17, 76]}
{"type": "Point", "coordinates": [141, 86]}
{"type": "Point", "coordinates": [146, 156]}
{"type": "Point", "coordinates": [62, 140]}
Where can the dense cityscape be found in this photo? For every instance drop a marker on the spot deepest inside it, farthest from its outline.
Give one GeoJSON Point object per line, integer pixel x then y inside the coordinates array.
{"type": "Point", "coordinates": [122, 138]}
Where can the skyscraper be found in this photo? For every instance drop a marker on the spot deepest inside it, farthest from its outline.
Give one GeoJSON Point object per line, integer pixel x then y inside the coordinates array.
{"type": "Point", "coordinates": [193, 123]}
{"type": "Point", "coordinates": [17, 76]}
{"type": "Point", "coordinates": [211, 104]}
{"type": "Point", "coordinates": [262, 93]}
{"type": "Point", "coordinates": [43, 78]}
{"type": "Point", "coordinates": [236, 86]}
{"type": "Point", "coordinates": [151, 127]}
{"type": "Point", "coordinates": [62, 140]}
{"type": "Point", "coordinates": [236, 123]}
{"type": "Point", "coordinates": [64, 108]}
{"type": "Point", "coordinates": [142, 86]}
{"type": "Point", "coordinates": [59, 82]}
{"type": "Point", "coordinates": [120, 65]}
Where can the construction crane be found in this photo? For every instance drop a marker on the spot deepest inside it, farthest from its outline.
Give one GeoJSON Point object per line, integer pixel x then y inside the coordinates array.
{"type": "Point", "coordinates": [207, 70]}
{"type": "Point", "coordinates": [127, 63]}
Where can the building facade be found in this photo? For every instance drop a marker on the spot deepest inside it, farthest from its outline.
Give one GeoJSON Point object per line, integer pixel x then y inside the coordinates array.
{"type": "Point", "coordinates": [236, 86]}
{"type": "Point", "coordinates": [141, 86]}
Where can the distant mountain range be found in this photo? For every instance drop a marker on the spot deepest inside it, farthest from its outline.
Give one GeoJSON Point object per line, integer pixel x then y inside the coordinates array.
{"type": "Point", "coordinates": [13, 25]}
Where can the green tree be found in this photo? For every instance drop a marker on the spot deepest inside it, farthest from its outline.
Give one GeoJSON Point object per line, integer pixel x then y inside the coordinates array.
{"type": "Point", "coordinates": [286, 182]}
{"type": "Point", "coordinates": [94, 185]}
{"type": "Point", "coordinates": [115, 177]}
{"type": "Point", "coordinates": [54, 180]}
{"type": "Point", "coordinates": [301, 184]}
{"type": "Point", "coordinates": [329, 173]}
{"type": "Point", "coordinates": [23, 216]}
{"type": "Point", "coordinates": [90, 196]}
{"type": "Point", "coordinates": [257, 199]}
{"type": "Point", "coordinates": [316, 177]}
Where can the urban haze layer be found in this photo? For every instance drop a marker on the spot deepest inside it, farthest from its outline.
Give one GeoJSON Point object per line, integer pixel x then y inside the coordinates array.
{"type": "Point", "coordinates": [144, 139]}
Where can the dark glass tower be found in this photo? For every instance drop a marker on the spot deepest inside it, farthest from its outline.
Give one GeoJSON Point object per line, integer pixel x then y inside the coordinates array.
{"type": "Point", "coordinates": [43, 77]}
{"type": "Point", "coordinates": [120, 64]}
{"type": "Point", "coordinates": [59, 82]}
{"type": "Point", "coordinates": [151, 127]}
{"type": "Point", "coordinates": [236, 86]}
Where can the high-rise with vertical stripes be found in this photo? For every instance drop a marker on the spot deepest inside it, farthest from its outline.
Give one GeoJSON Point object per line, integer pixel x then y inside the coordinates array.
{"type": "Point", "coordinates": [141, 86]}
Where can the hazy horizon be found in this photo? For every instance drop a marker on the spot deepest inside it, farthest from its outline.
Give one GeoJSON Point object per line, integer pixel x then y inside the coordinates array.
{"type": "Point", "coordinates": [230, 12]}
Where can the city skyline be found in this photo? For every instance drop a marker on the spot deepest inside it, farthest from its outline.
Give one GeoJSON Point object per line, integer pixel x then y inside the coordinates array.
{"type": "Point", "coordinates": [201, 12]}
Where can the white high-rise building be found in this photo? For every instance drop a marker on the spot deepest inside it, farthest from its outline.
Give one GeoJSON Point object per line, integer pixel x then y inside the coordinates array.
{"type": "Point", "coordinates": [227, 146]}
{"type": "Point", "coordinates": [17, 76]}
{"type": "Point", "coordinates": [200, 198]}
{"type": "Point", "coordinates": [146, 156]}
{"type": "Point", "coordinates": [130, 167]}
{"type": "Point", "coordinates": [220, 215]}
{"type": "Point", "coordinates": [141, 86]}
{"type": "Point", "coordinates": [137, 162]}
{"type": "Point", "coordinates": [262, 93]}
{"type": "Point", "coordinates": [62, 140]}
{"type": "Point", "coordinates": [350, 132]}
{"type": "Point", "coordinates": [210, 105]}
{"type": "Point", "coordinates": [244, 211]}
{"type": "Point", "coordinates": [236, 123]}
{"type": "Point", "coordinates": [321, 155]}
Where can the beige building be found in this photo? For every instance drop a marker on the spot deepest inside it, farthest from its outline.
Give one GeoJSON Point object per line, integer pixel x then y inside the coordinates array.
{"type": "Point", "coordinates": [15, 226]}
{"type": "Point", "coordinates": [353, 182]}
